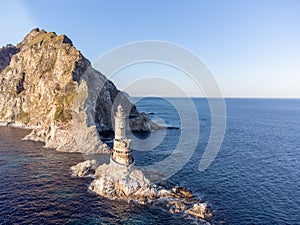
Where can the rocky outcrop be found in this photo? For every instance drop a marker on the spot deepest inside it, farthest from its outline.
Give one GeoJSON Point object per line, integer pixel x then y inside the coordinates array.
{"type": "Point", "coordinates": [121, 182]}
{"type": "Point", "coordinates": [84, 168]}
{"type": "Point", "coordinates": [47, 85]}
{"type": "Point", "coordinates": [5, 55]}
{"type": "Point", "coordinates": [200, 210]}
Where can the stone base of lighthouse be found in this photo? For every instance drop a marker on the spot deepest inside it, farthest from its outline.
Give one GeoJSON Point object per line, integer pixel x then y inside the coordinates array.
{"type": "Point", "coordinates": [121, 167]}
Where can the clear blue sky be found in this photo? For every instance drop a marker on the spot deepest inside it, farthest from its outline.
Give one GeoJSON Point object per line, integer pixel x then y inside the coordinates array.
{"type": "Point", "coordinates": [252, 47]}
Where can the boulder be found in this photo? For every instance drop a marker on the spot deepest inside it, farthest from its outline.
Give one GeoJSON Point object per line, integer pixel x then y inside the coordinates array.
{"type": "Point", "coordinates": [85, 168]}
{"type": "Point", "coordinates": [201, 210]}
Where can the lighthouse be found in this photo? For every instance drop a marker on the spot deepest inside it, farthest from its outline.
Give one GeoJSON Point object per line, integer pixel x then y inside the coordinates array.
{"type": "Point", "coordinates": [121, 153]}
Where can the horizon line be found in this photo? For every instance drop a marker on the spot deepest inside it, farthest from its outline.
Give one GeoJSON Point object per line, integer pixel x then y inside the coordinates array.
{"type": "Point", "coordinates": [225, 97]}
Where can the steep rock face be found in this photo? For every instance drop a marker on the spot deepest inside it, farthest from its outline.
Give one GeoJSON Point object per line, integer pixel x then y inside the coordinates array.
{"type": "Point", "coordinates": [47, 85]}
{"type": "Point", "coordinates": [5, 55]}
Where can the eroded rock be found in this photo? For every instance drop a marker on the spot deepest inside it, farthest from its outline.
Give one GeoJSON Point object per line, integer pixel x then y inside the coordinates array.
{"type": "Point", "coordinates": [47, 85]}
{"type": "Point", "coordinates": [201, 210]}
{"type": "Point", "coordinates": [128, 183]}
{"type": "Point", "coordinates": [85, 168]}
{"type": "Point", "coordinates": [5, 55]}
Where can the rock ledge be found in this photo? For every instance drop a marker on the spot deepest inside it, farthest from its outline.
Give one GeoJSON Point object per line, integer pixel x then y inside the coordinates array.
{"type": "Point", "coordinates": [116, 181]}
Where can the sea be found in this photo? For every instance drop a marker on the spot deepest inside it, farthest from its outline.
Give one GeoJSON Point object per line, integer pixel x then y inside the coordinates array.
{"type": "Point", "coordinates": [253, 179]}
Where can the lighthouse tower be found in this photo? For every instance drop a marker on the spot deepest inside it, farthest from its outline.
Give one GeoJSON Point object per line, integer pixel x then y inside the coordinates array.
{"type": "Point", "coordinates": [121, 152]}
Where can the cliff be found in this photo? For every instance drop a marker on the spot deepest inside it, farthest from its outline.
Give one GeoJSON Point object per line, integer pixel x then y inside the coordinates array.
{"type": "Point", "coordinates": [48, 86]}
{"type": "Point", "coordinates": [5, 55]}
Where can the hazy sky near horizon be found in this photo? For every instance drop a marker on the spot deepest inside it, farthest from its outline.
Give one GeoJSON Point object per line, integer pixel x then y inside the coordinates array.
{"type": "Point", "coordinates": [252, 47]}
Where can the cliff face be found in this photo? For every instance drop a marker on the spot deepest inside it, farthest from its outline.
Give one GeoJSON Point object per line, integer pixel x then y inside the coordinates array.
{"type": "Point", "coordinates": [47, 85]}
{"type": "Point", "coordinates": [5, 55]}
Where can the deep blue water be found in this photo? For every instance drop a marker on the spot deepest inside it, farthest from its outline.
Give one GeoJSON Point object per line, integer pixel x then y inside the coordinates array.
{"type": "Point", "coordinates": [253, 180]}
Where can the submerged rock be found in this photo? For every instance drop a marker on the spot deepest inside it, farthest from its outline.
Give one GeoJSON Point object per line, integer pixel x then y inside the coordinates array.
{"type": "Point", "coordinates": [176, 207]}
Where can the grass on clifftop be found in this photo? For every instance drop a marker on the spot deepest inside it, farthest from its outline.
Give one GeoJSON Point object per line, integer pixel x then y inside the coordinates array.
{"type": "Point", "coordinates": [41, 37]}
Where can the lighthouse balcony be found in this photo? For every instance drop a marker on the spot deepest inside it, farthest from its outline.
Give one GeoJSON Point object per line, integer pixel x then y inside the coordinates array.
{"type": "Point", "coordinates": [122, 152]}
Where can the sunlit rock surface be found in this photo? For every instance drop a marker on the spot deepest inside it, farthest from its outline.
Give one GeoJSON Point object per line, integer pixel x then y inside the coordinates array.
{"type": "Point", "coordinates": [47, 85]}
{"type": "Point", "coordinates": [116, 181]}
{"type": "Point", "coordinates": [84, 168]}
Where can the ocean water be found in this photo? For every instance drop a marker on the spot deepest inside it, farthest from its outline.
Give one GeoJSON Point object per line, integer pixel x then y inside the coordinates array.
{"type": "Point", "coordinates": [254, 179]}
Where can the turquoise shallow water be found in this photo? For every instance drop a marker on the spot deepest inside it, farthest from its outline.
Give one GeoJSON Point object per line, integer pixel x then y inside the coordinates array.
{"type": "Point", "coordinates": [253, 180]}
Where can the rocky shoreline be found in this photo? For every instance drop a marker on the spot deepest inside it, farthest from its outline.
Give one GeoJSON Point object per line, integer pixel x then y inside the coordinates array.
{"type": "Point", "coordinates": [119, 182]}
